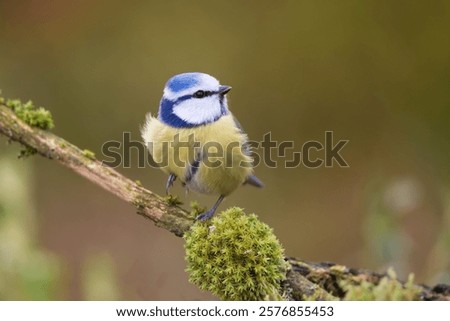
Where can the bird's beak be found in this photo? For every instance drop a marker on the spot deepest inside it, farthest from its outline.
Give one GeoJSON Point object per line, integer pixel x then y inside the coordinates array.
{"type": "Point", "coordinates": [224, 89]}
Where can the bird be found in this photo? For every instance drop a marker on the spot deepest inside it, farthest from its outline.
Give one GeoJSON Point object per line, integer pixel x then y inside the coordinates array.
{"type": "Point", "coordinates": [196, 138]}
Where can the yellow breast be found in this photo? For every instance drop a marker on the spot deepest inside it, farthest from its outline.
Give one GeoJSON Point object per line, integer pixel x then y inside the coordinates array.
{"type": "Point", "coordinates": [209, 159]}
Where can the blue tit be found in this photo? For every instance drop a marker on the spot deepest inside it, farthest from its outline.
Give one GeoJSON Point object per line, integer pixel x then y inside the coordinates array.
{"type": "Point", "coordinates": [196, 138]}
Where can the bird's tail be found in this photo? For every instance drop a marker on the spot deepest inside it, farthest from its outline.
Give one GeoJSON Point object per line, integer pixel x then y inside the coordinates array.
{"type": "Point", "coordinates": [254, 181]}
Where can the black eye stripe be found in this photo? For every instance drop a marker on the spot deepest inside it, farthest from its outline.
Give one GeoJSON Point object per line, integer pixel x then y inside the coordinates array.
{"type": "Point", "coordinates": [202, 93]}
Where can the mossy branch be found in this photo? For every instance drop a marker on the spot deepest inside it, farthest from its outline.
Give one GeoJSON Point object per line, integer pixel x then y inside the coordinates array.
{"type": "Point", "coordinates": [28, 126]}
{"type": "Point", "coordinates": [83, 162]}
{"type": "Point", "coordinates": [343, 282]}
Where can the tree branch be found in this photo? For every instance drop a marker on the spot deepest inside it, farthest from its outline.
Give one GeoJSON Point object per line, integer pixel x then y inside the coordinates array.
{"type": "Point", "coordinates": [148, 204]}
{"type": "Point", "coordinates": [330, 276]}
{"type": "Point", "coordinates": [303, 280]}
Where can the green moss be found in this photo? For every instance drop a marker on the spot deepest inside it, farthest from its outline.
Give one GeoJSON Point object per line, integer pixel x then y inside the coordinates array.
{"type": "Point", "coordinates": [319, 294]}
{"type": "Point", "coordinates": [338, 269]}
{"type": "Point", "coordinates": [172, 200]}
{"type": "Point", "coordinates": [89, 154]}
{"type": "Point", "coordinates": [62, 145]}
{"type": "Point", "coordinates": [197, 209]}
{"type": "Point", "coordinates": [388, 289]}
{"type": "Point", "coordinates": [236, 257]}
{"type": "Point", "coordinates": [139, 202]}
{"type": "Point", "coordinates": [27, 151]}
{"type": "Point", "coordinates": [37, 117]}
{"type": "Point", "coordinates": [138, 183]}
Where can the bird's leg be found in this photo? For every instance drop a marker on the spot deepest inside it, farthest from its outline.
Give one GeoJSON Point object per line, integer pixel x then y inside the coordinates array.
{"type": "Point", "coordinates": [169, 184]}
{"type": "Point", "coordinates": [209, 213]}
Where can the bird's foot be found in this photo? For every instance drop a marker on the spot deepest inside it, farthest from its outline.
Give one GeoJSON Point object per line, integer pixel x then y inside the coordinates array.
{"type": "Point", "coordinates": [206, 216]}
{"type": "Point", "coordinates": [209, 213]}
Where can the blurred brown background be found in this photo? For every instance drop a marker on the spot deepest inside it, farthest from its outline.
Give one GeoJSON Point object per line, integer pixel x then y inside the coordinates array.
{"type": "Point", "coordinates": [375, 72]}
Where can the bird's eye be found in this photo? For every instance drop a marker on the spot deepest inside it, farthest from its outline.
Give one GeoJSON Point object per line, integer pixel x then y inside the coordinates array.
{"type": "Point", "coordinates": [199, 94]}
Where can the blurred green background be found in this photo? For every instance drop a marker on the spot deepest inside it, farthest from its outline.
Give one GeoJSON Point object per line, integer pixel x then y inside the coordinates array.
{"type": "Point", "coordinates": [375, 72]}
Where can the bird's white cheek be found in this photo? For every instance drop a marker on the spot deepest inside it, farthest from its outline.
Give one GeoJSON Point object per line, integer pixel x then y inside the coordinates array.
{"type": "Point", "coordinates": [198, 111]}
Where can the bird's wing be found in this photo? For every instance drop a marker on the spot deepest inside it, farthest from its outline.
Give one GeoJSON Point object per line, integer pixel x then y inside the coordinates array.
{"type": "Point", "coordinates": [246, 145]}
{"type": "Point", "coordinates": [238, 124]}
{"type": "Point", "coordinates": [252, 179]}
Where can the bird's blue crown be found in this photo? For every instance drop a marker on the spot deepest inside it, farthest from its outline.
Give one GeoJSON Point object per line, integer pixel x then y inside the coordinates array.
{"type": "Point", "coordinates": [192, 99]}
{"type": "Point", "coordinates": [183, 81]}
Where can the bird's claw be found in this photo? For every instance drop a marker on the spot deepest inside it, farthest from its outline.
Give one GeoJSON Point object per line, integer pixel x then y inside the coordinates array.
{"type": "Point", "coordinates": [205, 216]}
{"type": "Point", "coordinates": [169, 183]}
